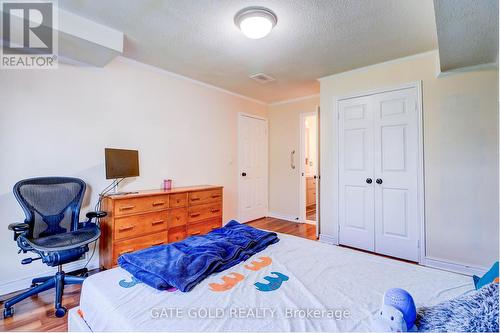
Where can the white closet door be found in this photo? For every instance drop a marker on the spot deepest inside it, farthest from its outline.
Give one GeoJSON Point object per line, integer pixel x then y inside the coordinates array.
{"type": "Point", "coordinates": [395, 120]}
{"type": "Point", "coordinates": [356, 205]}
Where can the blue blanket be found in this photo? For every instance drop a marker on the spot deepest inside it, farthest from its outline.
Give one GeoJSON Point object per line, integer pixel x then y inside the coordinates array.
{"type": "Point", "coordinates": [184, 264]}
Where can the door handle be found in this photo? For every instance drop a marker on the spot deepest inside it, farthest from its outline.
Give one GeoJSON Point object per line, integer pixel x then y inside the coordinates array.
{"type": "Point", "coordinates": [368, 180]}
{"type": "Point", "coordinates": [379, 181]}
{"type": "Point", "coordinates": [292, 159]}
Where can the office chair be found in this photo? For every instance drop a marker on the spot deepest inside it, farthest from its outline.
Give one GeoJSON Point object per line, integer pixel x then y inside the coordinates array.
{"type": "Point", "coordinates": [52, 231]}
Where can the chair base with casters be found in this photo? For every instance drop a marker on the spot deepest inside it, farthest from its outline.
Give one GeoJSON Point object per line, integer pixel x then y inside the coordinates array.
{"type": "Point", "coordinates": [53, 232]}
{"type": "Point", "coordinates": [41, 284]}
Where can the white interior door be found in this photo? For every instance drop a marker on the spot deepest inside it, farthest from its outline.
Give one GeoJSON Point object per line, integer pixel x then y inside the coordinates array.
{"type": "Point", "coordinates": [396, 150]}
{"type": "Point", "coordinates": [253, 168]}
{"type": "Point", "coordinates": [356, 191]}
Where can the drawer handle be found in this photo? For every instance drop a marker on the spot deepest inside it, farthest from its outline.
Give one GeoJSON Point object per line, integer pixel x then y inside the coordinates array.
{"type": "Point", "coordinates": [195, 215]}
{"type": "Point", "coordinates": [195, 233]}
{"type": "Point", "coordinates": [126, 228]}
{"type": "Point", "coordinates": [213, 228]}
{"type": "Point", "coordinates": [215, 210]}
{"type": "Point", "coordinates": [195, 199]}
{"type": "Point", "coordinates": [127, 207]}
{"type": "Point", "coordinates": [126, 251]}
{"type": "Point", "coordinates": [159, 203]}
{"type": "Point", "coordinates": [157, 222]}
{"type": "Point", "coordinates": [216, 196]}
{"type": "Point", "coordinates": [156, 244]}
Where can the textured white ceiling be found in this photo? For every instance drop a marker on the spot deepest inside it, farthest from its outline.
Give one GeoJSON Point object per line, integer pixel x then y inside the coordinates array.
{"type": "Point", "coordinates": [467, 32]}
{"type": "Point", "coordinates": [313, 38]}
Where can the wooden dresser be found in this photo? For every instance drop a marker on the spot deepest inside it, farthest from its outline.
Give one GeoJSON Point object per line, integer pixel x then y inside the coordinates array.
{"type": "Point", "coordinates": [154, 217]}
{"type": "Point", "coordinates": [310, 192]}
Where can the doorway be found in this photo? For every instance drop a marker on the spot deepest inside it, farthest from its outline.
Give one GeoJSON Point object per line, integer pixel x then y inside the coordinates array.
{"type": "Point", "coordinates": [309, 157]}
{"type": "Point", "coordinates": [253, 167]}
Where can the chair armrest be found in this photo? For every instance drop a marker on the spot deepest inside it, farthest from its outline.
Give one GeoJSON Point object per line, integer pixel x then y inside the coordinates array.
{"type": "Point", "coordinates": [19, 229]}
{"type": "Point", "coordinates": [93, 215]}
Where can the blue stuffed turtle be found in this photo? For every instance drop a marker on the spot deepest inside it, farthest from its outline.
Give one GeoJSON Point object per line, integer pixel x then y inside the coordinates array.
{"type": "Point", "coordinates": [398, 312]}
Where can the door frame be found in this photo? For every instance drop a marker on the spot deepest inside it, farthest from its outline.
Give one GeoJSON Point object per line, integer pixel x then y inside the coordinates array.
{"type": "Point", "coordinates": [420, 156]}
{"type": "Point", "coordinates": [238, 171]}
{"type": "Point", "coordinates": [302, 179]}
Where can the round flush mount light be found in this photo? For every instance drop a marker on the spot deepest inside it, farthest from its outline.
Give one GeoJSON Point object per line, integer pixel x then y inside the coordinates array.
{"type": "Point", "coordinates": [255, 22]}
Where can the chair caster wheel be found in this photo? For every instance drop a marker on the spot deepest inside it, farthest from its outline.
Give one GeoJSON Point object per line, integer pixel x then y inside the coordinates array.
{"type": "Point", "coordinates": [8, 312]}
{"type": "Point", "coordinates": [61, 312]}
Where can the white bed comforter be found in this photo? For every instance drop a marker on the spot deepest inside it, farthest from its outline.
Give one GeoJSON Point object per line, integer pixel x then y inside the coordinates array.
{"type": "Point", "coordinates": [329, 288]}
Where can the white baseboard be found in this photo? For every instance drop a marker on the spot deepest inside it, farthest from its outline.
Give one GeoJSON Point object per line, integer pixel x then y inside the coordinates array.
{"type": "Point", "coordinates": [283, 217]}
{"type": "Point", "coordinates": [454, 267]}
{"type": "Point", "coordinates": [328, 239]}
{"type": "Point", "coordinates": [25, 282]}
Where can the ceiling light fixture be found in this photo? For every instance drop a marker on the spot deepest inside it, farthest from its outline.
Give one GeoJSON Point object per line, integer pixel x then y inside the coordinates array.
{"type": "Point", "coordinates": [255, 22]}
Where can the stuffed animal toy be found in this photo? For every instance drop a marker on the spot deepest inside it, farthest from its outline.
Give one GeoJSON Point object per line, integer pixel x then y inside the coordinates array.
{"type": "Point", "coordinates": [398, 313]}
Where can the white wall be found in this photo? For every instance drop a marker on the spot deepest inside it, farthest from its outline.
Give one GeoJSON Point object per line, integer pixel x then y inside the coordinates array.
{"type": "Point", "coordinates": [284, 136]}
{"type": "Point", "coordinates": [57, 122]}
{"type": "Point", "coordinates": [460, 114]}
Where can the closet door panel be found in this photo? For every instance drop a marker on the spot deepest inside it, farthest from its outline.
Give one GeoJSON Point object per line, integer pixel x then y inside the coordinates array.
{"type": "Point", "coordinates": [395, 126]}
{"type": "Point", "coordinates": [356, 205]}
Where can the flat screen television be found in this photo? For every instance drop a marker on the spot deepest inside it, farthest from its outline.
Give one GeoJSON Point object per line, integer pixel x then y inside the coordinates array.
{"type": "Point", "coordinates": [121, 163]}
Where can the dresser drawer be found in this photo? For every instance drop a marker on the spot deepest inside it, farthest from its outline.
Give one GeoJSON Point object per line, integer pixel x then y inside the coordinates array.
{"type": "Point", "coordinates": [178, 200]}
{"type": "Point", "coordinates": [203, 227]}
{"type": "Point", "coordinates": [203, 197]}
{"type": "Point", "coordinates": [176, 234]}
{"type": "Point", "coordinates": [135, 244]}
{"type": "Point", "coordinates": [203, 212]}
{"type": "Point", "coordinates": [177, 217]}
{"type": "Point", "coordinates": [136, 225]}
{"type": "Point", "coordinates": [138, 205]}
{"type": "Point", "coordinates": [311, 182]}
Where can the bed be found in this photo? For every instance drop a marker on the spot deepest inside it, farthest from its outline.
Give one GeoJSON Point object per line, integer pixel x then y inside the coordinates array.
{"type": "Point", "coordinates": [298, 285]}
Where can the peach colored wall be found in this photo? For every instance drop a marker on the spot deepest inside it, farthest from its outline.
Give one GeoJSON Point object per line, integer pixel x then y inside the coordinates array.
{"type": "Point", "coordinates": [283, 138]}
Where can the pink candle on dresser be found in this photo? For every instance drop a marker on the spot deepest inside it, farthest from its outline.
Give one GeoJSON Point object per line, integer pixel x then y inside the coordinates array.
{"type": "Point", "coordinates": [167, 184]}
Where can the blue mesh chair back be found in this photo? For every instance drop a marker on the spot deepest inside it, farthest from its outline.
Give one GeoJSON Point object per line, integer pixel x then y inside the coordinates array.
{"type": "Point", "coordinates": [51, 204]}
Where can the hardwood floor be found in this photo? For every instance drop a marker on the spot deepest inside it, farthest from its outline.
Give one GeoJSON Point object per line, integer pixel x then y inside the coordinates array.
{"type": "Point", "coordinates": [297, 229]}
{"type": "Point", "coordinates": [37, 313]}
